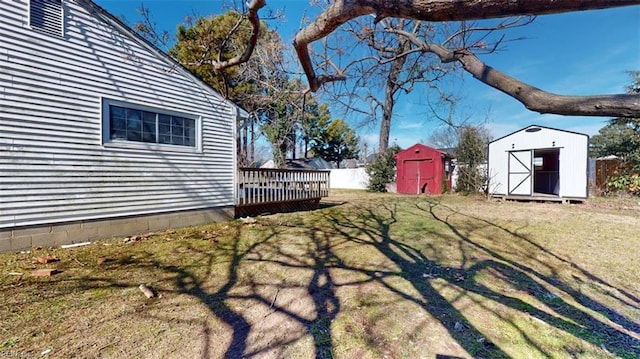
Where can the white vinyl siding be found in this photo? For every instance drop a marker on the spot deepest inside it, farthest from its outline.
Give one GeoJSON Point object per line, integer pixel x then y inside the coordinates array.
{"type": "Point", "coordinates": [54, 164]}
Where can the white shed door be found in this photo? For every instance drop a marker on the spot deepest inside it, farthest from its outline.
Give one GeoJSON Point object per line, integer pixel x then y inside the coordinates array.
{"type": "Point", "coordinates": [520, 174]}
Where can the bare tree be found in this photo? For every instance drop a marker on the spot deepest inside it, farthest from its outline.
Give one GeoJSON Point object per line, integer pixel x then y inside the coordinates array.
{"type": "Point", "coordinates": [343, 11]}
{"type": "Point", "coordinates": [445, 137]}
{"type": "Point", "coordinates": [389, 70]}
{"type": "Point", "coordinates": [383, 64]}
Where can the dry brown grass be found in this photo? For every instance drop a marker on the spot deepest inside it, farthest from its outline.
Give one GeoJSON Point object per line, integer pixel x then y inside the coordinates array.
{"type": "Point", "coordinates": [373, 276]}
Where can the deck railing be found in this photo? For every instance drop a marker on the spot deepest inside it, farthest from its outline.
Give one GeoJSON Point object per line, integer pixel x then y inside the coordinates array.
{"type": "Point", "coordinates": [266, 185]}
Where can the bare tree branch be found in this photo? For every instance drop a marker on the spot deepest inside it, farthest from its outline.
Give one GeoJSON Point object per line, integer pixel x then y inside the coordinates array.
{"type": "Point", "coordinates": [342, 11]}
{"type": "Point", "coordinates": [535, 99]}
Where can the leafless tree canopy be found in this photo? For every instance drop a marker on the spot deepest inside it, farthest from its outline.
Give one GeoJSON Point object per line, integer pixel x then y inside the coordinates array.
{"type": "Point", "coordinates": [342, 11]}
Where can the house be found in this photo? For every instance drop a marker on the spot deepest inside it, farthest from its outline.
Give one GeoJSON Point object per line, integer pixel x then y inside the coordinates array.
{"type": "Point", "coordinates": [422, 169]}
{"type": "Point", "coordinates": [102, 134]}
{"type": "Point", "coordinates": [539, 163]}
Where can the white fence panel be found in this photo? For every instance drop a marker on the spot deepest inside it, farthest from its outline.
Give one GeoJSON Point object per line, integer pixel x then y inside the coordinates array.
{"type": "Point", "coordinates": [349, 178]}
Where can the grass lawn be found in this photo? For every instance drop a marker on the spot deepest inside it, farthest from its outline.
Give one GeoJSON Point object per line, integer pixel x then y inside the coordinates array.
{"type": "Point", "coordinates": [367, 276]}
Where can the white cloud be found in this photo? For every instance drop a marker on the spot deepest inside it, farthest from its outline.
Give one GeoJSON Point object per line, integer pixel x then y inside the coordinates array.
{"type": "Point", "coordinates": [407, 125]}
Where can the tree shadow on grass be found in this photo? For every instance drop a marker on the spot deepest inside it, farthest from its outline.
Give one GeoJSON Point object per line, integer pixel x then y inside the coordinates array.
{"type": "Point", "coordinates": [319, 257]}
{"type": "Point", "coordinates": [550, 259]}
{"type": "Point", "coordinates": [320, 288]}
{"type": "Point", "coordinates": [413, 266]}
{"type": "Point", "coordinates": [611, 290]}
{"type": "Point", "coordinates": [375, 225]}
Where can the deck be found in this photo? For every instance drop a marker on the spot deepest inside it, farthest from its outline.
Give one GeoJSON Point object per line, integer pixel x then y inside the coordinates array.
{"type": "Point", "coordinates": [262, 190]}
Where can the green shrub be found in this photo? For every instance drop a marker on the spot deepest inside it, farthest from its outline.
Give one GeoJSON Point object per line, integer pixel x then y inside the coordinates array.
{"type": "Point", "coordinates": [382, 170]}
{"type": "Point", "coordinates": [470, 154]}
{"type": "Point", "coordinates": [625, 183]}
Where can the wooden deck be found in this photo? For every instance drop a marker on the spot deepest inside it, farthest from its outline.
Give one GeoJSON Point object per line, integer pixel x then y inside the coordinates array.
{"type": "Point", "coordinates": [279, 190]}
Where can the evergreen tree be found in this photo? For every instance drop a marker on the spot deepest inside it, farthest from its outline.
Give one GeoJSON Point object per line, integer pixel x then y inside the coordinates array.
{"type": "Point", "coordinates": [621, 136]}
{"type": "Point", "coordinates": [470, 154]}
{"type": "Point", "coordinates": [337, 142]}
{"type": "Point", "coordinates": [383, 169]}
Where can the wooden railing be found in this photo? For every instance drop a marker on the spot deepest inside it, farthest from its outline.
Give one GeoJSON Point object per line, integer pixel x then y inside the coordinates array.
{"type": "Point", "coordinates": [265, 185]}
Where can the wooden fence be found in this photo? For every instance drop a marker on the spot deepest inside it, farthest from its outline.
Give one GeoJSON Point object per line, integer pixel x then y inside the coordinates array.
{"type": "Point", "coordinates": [276, 190]}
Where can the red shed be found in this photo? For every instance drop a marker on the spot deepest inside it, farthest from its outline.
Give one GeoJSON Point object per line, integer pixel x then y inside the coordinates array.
{"type": "Point", "coordinates": [422, 169]}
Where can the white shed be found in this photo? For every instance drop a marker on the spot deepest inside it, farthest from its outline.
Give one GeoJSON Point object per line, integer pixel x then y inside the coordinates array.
{"type": "Point", "coordinates": [101, 133]}
{"type": "Point", "coordinates": [539, 162]}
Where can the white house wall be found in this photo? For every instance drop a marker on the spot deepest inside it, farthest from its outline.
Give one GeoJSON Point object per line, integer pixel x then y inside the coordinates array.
{"type": "Point", "coordinates": [573, 158]}
{"type": "Point", "coordinates": [53, 164]}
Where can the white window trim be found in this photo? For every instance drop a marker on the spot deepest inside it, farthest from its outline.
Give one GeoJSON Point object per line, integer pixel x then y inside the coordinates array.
{"type": "Point", "coordinates": [63, 25]}
{"type": "Point", "coordinates": [107, 142]}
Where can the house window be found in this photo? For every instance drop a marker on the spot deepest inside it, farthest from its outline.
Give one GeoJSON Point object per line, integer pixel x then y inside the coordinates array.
{"type": "Point", "coordinates": [46, 16]}
{"type": "Point", "coordinates": [126, 123]}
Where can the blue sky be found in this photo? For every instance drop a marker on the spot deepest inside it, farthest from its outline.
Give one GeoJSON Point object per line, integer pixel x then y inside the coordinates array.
{"type": "Point", "coordinates": [578, 53]}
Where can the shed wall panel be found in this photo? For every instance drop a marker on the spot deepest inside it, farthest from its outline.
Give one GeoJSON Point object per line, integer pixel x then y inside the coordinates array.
{"type": "Point", "coordinates": [53, 164]}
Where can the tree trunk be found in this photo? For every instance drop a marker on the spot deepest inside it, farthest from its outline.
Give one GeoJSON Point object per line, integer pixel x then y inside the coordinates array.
{"type": "Point", "coordinates": [278, 155]}
{"type": "Point", "coordinates": [385, 126]}
{"type": "Point", "coordinates": [252, 149]}
{"type": "Point", "coordinates": [245, 140]}
{"type": "Point", "coordinates": [294, 144]}
{"type": "Point", "coordinates": [390, 90]}
{"type": "Point", "coordinates": [238, 143]}
{"type": "Point", "coordinates": [282, 155]}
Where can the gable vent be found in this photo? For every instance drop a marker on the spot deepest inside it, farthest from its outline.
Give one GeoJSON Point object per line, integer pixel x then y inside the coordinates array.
{"type": "Point", "coordinates": [46, 16]}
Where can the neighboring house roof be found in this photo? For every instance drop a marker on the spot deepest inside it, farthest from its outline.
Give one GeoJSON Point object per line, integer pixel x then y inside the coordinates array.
{"type": "Point", "coordinates": [451, 151]}
{"type": "Point", "coordinates": [268, 164]}
{"type": "Point", "coordinates": [117, 23]}
{"type": "Point", "coordinates": [301, 164]}
{"type": "Point", "coordinates": [349, 163]}
{"type": "Point", "coordinates": [316, 163]}
{"type": "Point", "coordinates": [371, 158]}
{"type": "Point", "coordinates": [608, 158]}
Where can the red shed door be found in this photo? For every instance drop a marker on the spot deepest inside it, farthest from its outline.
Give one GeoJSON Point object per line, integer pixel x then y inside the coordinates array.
{"type": "Point", "coordinates": [418, 176]}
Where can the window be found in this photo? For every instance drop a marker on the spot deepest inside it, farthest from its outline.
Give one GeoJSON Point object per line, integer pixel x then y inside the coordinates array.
{"type": "Point", "coordinates": [538, 161]}
{"type": "Point", "coordinates": [131, 123]}
{"type": "Point", "coordinates": [46, 16]}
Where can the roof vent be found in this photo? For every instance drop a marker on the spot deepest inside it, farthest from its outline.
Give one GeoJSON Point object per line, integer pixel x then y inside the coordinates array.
{"type": "Point", "coordinates": [46, 16]}
{"type": "Point", "coordinates": [533, 129]}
